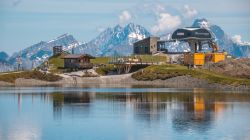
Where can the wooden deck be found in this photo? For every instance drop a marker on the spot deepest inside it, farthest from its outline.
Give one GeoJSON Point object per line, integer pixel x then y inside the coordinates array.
{"type": "Point", "coordinates": [124, 64]}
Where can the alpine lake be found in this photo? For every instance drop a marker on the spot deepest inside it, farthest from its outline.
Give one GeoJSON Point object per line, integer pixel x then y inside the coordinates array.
{"type": "Point", "coordinates": [123, 113]}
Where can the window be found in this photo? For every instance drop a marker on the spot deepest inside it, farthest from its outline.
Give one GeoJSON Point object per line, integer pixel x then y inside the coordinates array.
{"type": "Point", "coordinates": [146, 50]}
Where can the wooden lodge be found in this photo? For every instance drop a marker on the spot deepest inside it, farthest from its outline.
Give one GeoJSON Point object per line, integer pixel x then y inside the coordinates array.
{"type": "Point", "coordinates": [78, 61]}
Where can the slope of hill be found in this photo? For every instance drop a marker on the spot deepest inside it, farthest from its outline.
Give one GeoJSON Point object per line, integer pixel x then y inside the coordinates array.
{"type": "Point", "coordinates": [232, 67]}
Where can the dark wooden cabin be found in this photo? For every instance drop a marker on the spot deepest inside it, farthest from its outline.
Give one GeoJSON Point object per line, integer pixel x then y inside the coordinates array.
{"type": "Point", "coordinates": [78, 61]}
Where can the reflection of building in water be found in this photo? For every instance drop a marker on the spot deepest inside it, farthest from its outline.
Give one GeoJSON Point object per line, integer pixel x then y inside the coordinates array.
{"type": "Point", "coordinates": [197, 113]}
{"type": "Point", "coordinates": [199, 107]}
{"type": "Point", "coordinates": [148, 106]}
{"type": "Point", "coordinates": [44, 97]}
{"type": "Point", "coordinates": [219, 108]}
{"type": "Point", "coordinates": [73, 102]}
{"type": "Point", "coordinates": [152, 106]}
{"type": "Point", "coordinates": [194, 115]}
{"type": "Point", "coordinates": [58, 100]}
{"type": "Point", "coordinates": [187, 110]}
{"type": "Point", "coordinates": [19, 96]}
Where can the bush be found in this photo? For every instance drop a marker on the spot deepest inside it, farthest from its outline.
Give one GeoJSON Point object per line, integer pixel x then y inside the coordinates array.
{"type": "Point", "coordinates": [105, 69]}
{"type": "Point", "coordinates": [11, 77]}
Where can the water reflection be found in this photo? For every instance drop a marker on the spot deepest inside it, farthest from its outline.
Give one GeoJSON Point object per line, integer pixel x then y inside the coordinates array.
{"type": "Point", "coordinates": [21, 131]}
{"type": "Point", "coordinates": [198, 107]}
{"type": "Point", "coordinates": [197, 114]}
{"type": "Point", "coordinates": [72, 103]}
{"type": "Point", "coordinates": [183, 112]}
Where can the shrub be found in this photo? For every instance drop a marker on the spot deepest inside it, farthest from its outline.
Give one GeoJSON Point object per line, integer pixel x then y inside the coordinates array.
{"type": "Point", "coordinates": [105, 69]}
{"type": "Point", "coordinates": [11, 77]}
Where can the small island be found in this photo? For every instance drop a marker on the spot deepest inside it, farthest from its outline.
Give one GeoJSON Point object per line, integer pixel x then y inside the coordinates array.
{"type": "Point", "coordinates": [151, 70]}
{"type": "Point", "coordinates": [150, 64]}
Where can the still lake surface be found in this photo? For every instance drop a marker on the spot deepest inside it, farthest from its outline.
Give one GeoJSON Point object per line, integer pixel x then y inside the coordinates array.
{"type": "Point", "coordinates": [51, 113]}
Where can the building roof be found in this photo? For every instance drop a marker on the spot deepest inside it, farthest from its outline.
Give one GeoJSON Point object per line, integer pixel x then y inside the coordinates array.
{"type": "Point", "coordinates": [147, 39]}
{"type": "Point", "coordinates": [76, 56]}
{"type": "Point", "coordinates": [192, 33]}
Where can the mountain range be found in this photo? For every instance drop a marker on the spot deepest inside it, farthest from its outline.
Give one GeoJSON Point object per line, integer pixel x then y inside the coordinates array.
{"type": "Point", "coordinates": [38, 53]}
{"type": "Point", "coordinates": [225, 42]}
{"type": "Point", "coordinates": [119, 41]}
{"type": "Point", "coordinates": [4, 64]}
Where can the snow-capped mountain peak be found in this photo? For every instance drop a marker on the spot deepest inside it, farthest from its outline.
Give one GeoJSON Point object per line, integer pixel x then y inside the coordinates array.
{"type": "Point", "coordinates": [41, 51]}
{"type": "Point", "coordinates": [117, 40]}
{"type": "Point", "coordinates": [233, 45]}
{"type": "Point", "coordinates": [136, 36]}
{"type": "Point", "coordinates": [202, 23]}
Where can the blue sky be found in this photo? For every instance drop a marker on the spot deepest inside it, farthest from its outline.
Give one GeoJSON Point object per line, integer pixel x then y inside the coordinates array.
{"type": "Point", "coordinates": [26, 22]}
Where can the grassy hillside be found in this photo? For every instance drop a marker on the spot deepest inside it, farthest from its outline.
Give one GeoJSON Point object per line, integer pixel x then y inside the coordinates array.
{"type": "Point", "coordinates": [100, 60]}
{"type": "Point", "coordinates": [55, 63]}
{"type": "Point", "coordinates": [150, 58]}
{"type": "Point", "coordinates": [104, 70]}
{"type": "Point", "coordinates": [144, 58]}
{"type": "Point", "coordinates": [168, 71]}
{"type": "Point", "coordinates": [11, 77]}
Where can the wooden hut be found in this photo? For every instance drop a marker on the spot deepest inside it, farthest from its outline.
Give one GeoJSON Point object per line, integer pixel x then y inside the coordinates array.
{"type": "Point", "coordinates": [78, 61]}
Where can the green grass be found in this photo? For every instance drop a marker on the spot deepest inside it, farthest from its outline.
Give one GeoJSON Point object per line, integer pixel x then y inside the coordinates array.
{"type": "Point", "coordinates": [11, 77]}
{"type": "Point", "coordinates": [150, 58]}
{"type": "Point", "coordinates": [168, 71]}
{"type": "Point", "coordinates": [105, 69]}
{"type": "Point", "coordinates": [55, 63]}
{"type": "Point", "coordinates": [100, 60]}
{"type": "Point", "coordinates": [144, 58]}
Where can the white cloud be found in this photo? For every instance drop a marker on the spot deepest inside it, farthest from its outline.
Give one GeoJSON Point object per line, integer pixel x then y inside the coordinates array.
{"type": "Point", "coordinates": [189, 12]}
{"type": "Point", "coordinates": [125, 17]}
{"type": "Point", "coordinates": [166, 22]}
{"type": "Point", "coordinates": [236, 39]}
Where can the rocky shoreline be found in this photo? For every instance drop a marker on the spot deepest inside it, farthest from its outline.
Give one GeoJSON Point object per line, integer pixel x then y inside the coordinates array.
{"type": "Point", "coordinates": [120, 80]}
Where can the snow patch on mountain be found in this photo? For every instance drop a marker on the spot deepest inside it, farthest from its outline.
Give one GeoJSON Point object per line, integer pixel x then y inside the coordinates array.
{"type": "Point", "coordinates": [119, 41]}
{"type": "Point", "coordinates": [203, 23]}
{"type": "Point", "coordinates": [136, 36]}
{"type": "Point", "coordinates": [38, 53]}
{"type": "Point", "coordinates": [115, 41]}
